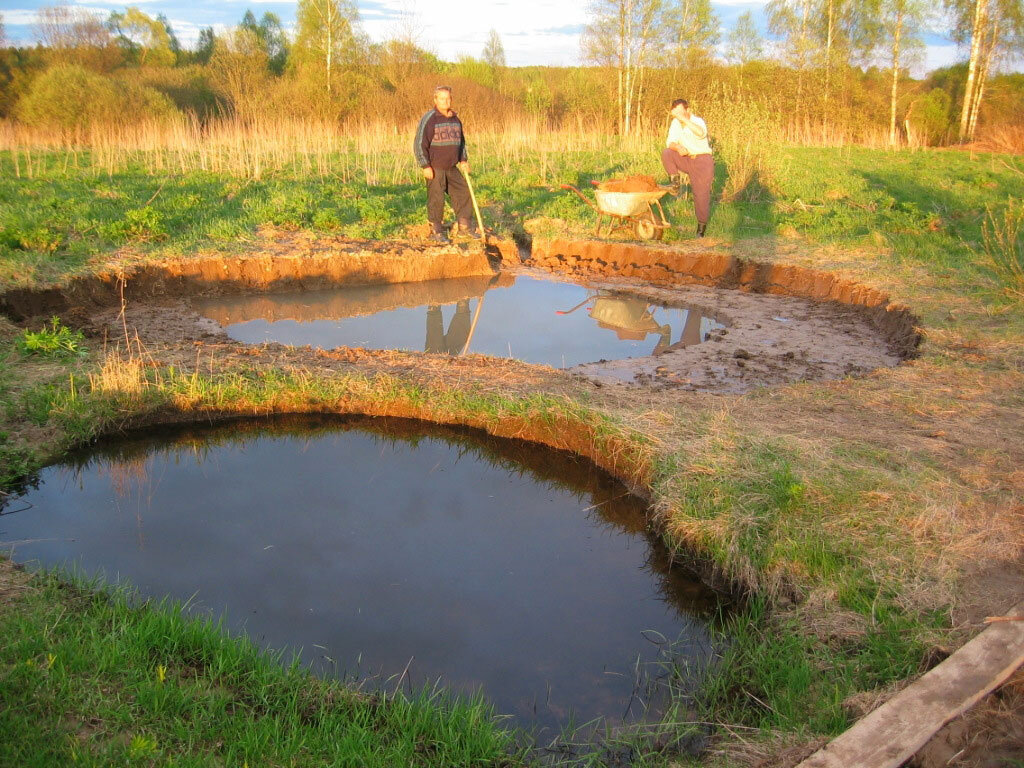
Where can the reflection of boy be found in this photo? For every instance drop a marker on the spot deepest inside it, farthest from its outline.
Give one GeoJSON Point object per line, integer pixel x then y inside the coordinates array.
{"type": "Point", "coordinates": [453, 342]}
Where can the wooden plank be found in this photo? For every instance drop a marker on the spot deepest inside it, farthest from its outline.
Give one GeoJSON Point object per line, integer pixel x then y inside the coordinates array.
{"type": "Point", "coordinates": [893, 733]}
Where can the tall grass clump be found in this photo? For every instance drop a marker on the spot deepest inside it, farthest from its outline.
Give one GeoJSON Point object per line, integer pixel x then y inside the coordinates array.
{"type": "Point", "coordinates": [1004, 245]}
{"type": "Point", "coordinates": [747, 135]}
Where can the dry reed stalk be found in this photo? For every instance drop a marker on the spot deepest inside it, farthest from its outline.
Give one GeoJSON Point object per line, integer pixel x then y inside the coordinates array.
{"type": "Point", "coordinates": [120, 373]}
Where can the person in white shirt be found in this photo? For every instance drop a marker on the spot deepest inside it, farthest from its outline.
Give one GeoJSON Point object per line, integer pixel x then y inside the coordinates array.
{"type": "Point", "coordinates": [687, 151]}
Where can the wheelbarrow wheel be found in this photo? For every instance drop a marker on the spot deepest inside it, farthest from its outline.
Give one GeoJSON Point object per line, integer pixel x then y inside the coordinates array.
{"type": "Point", "coordinates": [647, 227]}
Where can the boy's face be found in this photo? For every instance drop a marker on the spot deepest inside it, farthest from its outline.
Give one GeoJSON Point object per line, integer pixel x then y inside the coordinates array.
{"type": "Point", "coordinates": [443, 101]}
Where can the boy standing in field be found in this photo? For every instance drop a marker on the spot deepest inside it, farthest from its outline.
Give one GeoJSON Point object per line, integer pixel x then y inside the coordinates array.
{"type": "Point", "coordinates": [687, 151]}
{"type": "Point", "coordinates": [440, 150]}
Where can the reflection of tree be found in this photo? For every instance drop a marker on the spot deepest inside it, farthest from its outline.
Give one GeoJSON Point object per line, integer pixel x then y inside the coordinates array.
{"type": "Point", "coordinates": [603, 498]}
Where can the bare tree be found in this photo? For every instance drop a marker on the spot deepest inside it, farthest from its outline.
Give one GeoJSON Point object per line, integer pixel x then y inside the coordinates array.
{"type": "Point", "coordinates": [76, 36]}
{"type": "Point", "coordinates": [3, 33]}
{"type": "Point", "coordinates": [622, 36]}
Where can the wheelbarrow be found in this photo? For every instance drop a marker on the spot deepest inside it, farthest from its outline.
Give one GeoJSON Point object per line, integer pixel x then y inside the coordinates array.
{"type": "Point", "coordinates": [641, 210]}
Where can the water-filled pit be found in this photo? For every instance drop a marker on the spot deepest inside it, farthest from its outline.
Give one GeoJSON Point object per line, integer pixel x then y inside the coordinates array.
{"type": "Point", "coordinates": [610, 330]}
{"type": "Point", "coordinates": [536, 320]}
{"type": "Point", "coordinates": [382, 546]}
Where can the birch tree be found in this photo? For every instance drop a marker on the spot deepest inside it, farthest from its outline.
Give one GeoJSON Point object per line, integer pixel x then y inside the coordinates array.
{"type": "Point", "coordinates": [744, 43]}
{"type": "Point", "coordinates": [326, 39]}
{"type": "Point", "coordinates": [692, 30]}
{"type": "Point", "coordinates": [792, 20]}
{"type": "Point", "coordinates": [991, 29]}
{"type": "Point", "coordinates": [900, 24]}
{"type": "Point", "coordinates": [144, 38]}
{"type": "Point", "coordinates": [622, 36]}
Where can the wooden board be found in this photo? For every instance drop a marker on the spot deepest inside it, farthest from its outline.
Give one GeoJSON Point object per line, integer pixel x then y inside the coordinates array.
{"type": "Point", "coordinates": [893, 733]}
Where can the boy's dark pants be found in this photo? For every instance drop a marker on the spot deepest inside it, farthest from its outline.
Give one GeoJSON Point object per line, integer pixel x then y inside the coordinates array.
{"type": "Point", "coordinates": [452, 181]}
{"type": "Point", "coordinates": [701, 170]}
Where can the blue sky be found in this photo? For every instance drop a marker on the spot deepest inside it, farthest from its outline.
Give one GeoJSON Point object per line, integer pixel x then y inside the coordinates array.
{"type": "Point", "coordinates": [533, 31]}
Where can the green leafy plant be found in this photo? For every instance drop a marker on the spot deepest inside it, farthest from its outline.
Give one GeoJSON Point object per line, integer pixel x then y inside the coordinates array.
{"type": "Point", "coordinates": [55, 340]}
{"type": "Point", "coordinates": [139, 225]}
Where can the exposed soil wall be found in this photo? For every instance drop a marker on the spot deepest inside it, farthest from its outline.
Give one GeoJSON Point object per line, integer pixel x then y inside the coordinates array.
{"type": "Point", "coordinates": [285, 266]}
{"type": "Point", "coordinates": [669, 266]}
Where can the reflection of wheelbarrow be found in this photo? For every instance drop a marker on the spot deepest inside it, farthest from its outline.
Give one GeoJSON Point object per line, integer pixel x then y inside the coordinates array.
{"type": "Point", "coordinates": [642, 209]}
{"type": "Point", "coordinates": [630, 317]}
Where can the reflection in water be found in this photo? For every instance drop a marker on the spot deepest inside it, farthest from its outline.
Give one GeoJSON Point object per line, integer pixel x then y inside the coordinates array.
{"type": "Point", "coordinates": [491, 564]}
{"type": "Point", "coordinates": [504, 316]}
{"type": "Point", "coordinates": [632, 318]}
{"type": "Point", "coordinates": [455, 340]}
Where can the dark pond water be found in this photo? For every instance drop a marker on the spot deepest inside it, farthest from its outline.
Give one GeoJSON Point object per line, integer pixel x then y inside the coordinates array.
{"type": "Point", "coordinates": [539, 321]}
{"type": "Point", "coordinates": [373, 546]}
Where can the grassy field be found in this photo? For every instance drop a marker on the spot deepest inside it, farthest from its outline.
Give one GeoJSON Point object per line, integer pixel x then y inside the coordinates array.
{"type": "Point", "coordinates": [865, 516]}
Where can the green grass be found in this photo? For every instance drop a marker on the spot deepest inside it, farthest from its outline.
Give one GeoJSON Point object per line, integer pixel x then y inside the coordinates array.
{"type": "Point", "coordinates": [924, 206]}
{"type": "Point", "coordinates": [794, 525]}
{"type": "Point", "coordinates": [93, 678]}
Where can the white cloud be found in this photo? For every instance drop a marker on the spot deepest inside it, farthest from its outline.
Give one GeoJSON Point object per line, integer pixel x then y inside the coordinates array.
{"type": "Point", "coordinates": [19, 16]}
{"type": "Point", "coordinates": [532, 31]}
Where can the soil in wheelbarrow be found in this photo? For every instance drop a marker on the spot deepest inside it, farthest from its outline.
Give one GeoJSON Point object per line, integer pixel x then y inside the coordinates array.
{"type": "Point", "coordinates": [638, 183]}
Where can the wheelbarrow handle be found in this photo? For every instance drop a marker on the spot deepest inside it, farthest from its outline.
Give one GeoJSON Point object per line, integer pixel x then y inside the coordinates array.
{"type": "Point", "coordinates": [582, 196]}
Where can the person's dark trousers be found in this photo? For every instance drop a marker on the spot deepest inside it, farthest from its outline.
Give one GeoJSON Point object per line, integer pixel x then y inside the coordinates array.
{"type": "Point", "coordinates": [701, 170]}
{"type": "Point", "coordinates": [452, 181]}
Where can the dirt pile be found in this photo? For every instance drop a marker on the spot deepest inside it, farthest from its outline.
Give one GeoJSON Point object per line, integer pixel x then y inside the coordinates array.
{"type": "Point", "coordinates": [637, 183]}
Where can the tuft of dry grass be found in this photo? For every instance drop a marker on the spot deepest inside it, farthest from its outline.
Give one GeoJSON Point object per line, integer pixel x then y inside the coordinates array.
{"type": "Point", "coordinates": [1003, 241]}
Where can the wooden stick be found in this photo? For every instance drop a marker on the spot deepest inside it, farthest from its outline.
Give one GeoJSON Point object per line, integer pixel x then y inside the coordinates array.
{"type": "Point", "coordinates": [472, 327]}
{"type": "Point", "coordinates": [476, 208]}
{"type": "Point", "coordinates": [991, 619]}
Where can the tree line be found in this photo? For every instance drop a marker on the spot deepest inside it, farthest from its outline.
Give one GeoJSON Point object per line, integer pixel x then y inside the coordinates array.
{"type": "Point", "coordinates": [834, 66]}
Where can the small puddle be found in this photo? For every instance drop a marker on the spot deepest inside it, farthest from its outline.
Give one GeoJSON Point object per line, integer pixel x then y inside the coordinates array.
{"type": "Point", "coordinates": [383, 546]}
{"type": "Point", "coordinates": [534, 320]}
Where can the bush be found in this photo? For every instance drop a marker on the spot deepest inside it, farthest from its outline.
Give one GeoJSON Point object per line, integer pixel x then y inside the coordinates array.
{"type": "Point", "coordinates": [68, 97]}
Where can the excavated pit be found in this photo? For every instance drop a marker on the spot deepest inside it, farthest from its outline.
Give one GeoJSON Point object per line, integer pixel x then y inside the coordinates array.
{"type": "Point", "coordinates": [489, 564]}
{"type": "Point", "coordinates": [773, 323]}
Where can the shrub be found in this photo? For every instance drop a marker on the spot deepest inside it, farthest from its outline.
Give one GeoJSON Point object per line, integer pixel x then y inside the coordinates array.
{"type": "Point", "coordinates": [68, 97]}
{"type": "Point", "coordinates": [929, 117]}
